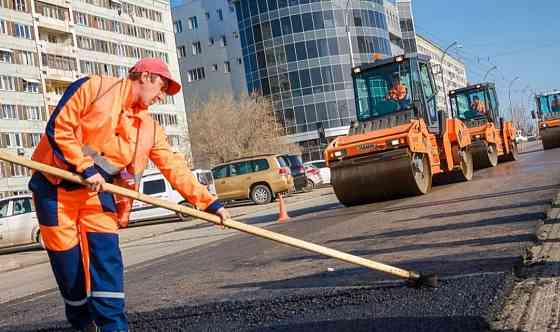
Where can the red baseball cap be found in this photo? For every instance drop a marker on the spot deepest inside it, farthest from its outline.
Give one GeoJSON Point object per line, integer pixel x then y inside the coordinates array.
{"type": "Point", "coordinates": [157, 66]}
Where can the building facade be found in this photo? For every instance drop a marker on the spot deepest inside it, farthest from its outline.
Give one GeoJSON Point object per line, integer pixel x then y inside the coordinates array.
{"type": "Point", "coordinates": [298, 54]}
{"type": "Point", "coordinates": [208, 48]}
{"type": "Point", "coordinates": [454, 71]}
{"type": "Point", "coordinates": [50, 43]}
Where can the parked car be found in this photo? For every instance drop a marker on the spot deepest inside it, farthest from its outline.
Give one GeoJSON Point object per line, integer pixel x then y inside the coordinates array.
{"type": "Point", "coordinates": [297, 170]}
{"type": "Point", "coordinates": [155, 184]}
{"type": "Point", "coordinates": [258, 178]}
{"type": "Point", "coordinates": [520, 138]}
{"type": "Point", "coordinates": [313, 176]}
{"type": "Point", "coordinates": [324, 171]}
{"type": "Point", "coordinates": [18, 222]}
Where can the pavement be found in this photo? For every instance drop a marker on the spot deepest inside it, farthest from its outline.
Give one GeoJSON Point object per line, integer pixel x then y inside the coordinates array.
{"type": "Point", "coordinates": [534, 303]}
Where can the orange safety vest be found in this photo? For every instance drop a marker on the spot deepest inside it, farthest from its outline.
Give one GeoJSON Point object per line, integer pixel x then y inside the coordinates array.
{"type": "Point", "coordinates": [398, 92]}
{"type": "Point", "coordinates": [479, 106]}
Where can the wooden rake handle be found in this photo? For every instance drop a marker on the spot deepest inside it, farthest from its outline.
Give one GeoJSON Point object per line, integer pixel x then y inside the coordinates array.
{"type": "Point", "coordinates": [66, 175]}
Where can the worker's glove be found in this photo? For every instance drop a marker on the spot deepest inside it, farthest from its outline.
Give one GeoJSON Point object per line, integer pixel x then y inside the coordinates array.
{"type": "Point", "coordinates": [223, 214]}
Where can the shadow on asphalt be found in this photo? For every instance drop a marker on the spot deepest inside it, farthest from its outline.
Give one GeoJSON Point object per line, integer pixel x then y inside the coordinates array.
{"type": "Point", "coordinates": [446, 266]}
{"type": "Point", "coordinates": [421, 324]}
{"type": "Point", "coordinates": [544, 202]}
{"type": "Point", "coordinates": [472, 198]}
{"type": "Point", "coordinates": [503, 220]}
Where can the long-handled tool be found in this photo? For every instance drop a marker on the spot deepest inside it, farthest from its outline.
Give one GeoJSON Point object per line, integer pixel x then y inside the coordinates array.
{"type": "Point", "coordinates": [415, 279]}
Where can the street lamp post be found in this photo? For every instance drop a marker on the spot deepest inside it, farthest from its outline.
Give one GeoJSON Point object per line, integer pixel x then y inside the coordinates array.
{"type": "Point", "coordinates": [488, 72]}
{"type": "Point", "coordinates": [455, 43]}
{"type": "Point", "coordinates": [509, 96]}
{"type": "Point", "coordinates": [348, 34]}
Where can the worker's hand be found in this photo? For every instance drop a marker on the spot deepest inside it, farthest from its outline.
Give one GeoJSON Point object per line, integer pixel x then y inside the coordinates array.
{"type": "Point", "coordinates": [95, 182]}
{"type": "Point", "coordinates": [224, 215]}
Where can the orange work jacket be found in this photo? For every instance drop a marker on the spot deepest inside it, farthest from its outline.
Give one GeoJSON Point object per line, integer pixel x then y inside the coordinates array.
{"type": "Point", "coordinates": [96, 124]}
{"type": "Point", "coordinates": [398, 92]}
{"type": "Point", "coordinates": [479, 106]}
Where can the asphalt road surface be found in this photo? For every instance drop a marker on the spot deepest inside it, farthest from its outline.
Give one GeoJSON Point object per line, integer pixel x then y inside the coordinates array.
{"type": "Point", "coordinates": [472, 235]}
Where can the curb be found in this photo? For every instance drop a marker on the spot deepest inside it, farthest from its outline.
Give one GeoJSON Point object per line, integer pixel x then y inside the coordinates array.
{"type": "Point", "coordinates": [534, 303]}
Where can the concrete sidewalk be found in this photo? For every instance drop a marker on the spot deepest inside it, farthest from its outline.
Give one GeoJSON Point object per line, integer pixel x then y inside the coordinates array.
{"type": "Point", "coordinates": [534, 303]}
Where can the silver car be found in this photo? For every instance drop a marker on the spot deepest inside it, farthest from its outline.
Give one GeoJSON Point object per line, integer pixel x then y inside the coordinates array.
{"type": "Point", "coordinates": [18, 222]}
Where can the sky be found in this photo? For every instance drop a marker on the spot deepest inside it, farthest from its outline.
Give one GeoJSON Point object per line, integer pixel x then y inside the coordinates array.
{"type": "Point", "coordinates": [520, 37]}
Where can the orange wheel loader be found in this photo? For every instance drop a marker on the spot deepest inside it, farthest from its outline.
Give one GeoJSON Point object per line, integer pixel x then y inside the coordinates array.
{"type": "Point", "coordinates": [400, 140]}
{"type": "Point", "coordinates": [493, 139]}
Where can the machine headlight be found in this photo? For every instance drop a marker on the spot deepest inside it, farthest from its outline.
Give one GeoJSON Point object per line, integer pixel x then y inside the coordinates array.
{"type": "Point", "coordinates": [394, 142]}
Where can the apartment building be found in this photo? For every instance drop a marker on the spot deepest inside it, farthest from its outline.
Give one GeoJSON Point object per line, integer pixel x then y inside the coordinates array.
{"type": "Point", "coordinates": [452, 70]}
{"type": "Point", "coordinates": [208, 48]}
{"type": "Point", "coordinates": [50, 43]}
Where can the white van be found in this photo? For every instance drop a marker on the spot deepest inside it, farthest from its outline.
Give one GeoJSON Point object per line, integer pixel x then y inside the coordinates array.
{"type": "Point", "coordinates": [155, 185]}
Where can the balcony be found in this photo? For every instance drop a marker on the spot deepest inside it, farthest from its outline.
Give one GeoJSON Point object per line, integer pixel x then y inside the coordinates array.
{"type": "Point", "coordinates": [57, 48]}
{"type": "Point", "coordinates": [53, 23]}
{"type": "Point", "coordinates": [59, 3]}
{"type": "Point", "coordinates": [60, 75]}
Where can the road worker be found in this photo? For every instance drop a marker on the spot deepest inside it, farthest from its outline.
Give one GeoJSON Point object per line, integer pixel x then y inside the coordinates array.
{"type": "Point", "coordinates": [398, 92]}
{"type": "Point", "coordinates": [101, 129]}
{"type": "Point", "coordinates": [478, 106]}
{"type": "Point", "coordinates": [555, 104]}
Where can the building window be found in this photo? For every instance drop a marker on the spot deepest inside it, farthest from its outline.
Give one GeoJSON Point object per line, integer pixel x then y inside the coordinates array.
{"type": "Point", "coordinates": [22, 31]}
{"type": "Point", "coordinates": [220, 14]}
{"type": "Point", "coordinates": [227, 67]}
{"type": "Point", "coordinates": [178, 26]}
{"type": "Point", "coordinates": [7, 83]}
{"type": "Point", "coordinates": [5, 56]}
{"type": "Point", "coordinates": [8, 112]}
{"type": "Point", "coordinates": [182, 51]}
{"type": "Point", "coordinates": [30, 86]}
{"type": "Point", "coordinates": [193, 23]}
{"type": "Point", "coordinates": [20, 5]}
{"type": "Point", "coordinates": [196, 74]}
{"type": "Point", "coordinates": [196, 48]}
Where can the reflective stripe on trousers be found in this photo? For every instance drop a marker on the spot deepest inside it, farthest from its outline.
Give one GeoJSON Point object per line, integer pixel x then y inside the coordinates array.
{"type": "Point", "coordinates": [79, 231]}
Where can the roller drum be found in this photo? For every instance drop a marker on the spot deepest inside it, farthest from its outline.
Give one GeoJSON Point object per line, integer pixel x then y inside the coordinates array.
{"type": "Point", "coordinates": [381, 176]}
{"type": "Point", "coordinates": [550, 138]}
{"type": "Point", "coordinates": [484, 155]}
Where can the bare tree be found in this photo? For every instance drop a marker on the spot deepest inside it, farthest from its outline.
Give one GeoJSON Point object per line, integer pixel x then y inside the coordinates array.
{"type": "Point", "coordinates": [523, 120]}
{"type": "Point", "coordinates": [224, 128]}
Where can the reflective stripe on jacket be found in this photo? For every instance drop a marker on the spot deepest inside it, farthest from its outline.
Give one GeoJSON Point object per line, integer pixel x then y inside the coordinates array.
{"type": "Point", "coordinates": [97, 113]}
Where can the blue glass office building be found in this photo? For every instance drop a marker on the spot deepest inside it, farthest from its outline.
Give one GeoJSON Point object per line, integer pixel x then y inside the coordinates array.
{"type": "Point", "coordinates": [297, 53]}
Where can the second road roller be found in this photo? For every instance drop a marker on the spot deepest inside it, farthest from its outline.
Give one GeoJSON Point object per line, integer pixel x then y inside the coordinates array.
{"type": "Point", "coordinates": [548, 111]}
{"type": "Point", "coordinates": [493, 138]}
{"type": "Point", "coordinates": [401, 140]}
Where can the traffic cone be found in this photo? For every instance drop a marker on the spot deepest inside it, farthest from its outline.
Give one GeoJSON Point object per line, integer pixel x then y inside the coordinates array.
{"type": "Point", "coordinates": [283, 214]}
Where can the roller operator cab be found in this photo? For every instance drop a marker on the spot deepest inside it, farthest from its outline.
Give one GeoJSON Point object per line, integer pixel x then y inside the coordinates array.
{"type": "Point", "coordinates": [400, 140]}
{"type": "Point", "coordinates": [548, 106]}
{"type": "Point", "coordinates": [493, 139]}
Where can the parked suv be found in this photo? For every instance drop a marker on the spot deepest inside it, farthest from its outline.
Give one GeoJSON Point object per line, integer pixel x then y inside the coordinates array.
{"type": "Point", "coordinates": [297, 170]}
{"type": "Point", "coordinates": [155, 185]}
{"type": "Point", "coordinates": [257, 178]}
